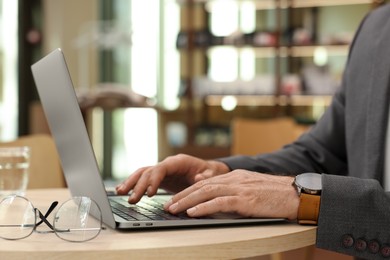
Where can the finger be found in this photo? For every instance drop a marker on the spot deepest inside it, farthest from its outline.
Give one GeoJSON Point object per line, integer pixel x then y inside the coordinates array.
{"type": "Point", "coordinates": [148, 182]}
{"type": "Point", "coordinates": [203, 175]}
{"type": "Point", "coordinates": [202, 182]}
{"type": "Point", "coordinates": [180, 195]}
{"type": "Point", "coordinates": [198, 196]}
{"type": "Point", "coordinates": [192, 189]}
{"type": "Point", "coordinates": [140, 187]}
{"type": "Point", "coordinates": [129, 183]}
{"type": "Point", "coordinates": [157, 174]}
{"type": "Point", "coordinates": [216, 205]}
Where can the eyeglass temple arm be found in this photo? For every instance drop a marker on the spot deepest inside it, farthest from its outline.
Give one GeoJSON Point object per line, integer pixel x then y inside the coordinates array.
{"type": "Point", "coordinates": [44, 217]}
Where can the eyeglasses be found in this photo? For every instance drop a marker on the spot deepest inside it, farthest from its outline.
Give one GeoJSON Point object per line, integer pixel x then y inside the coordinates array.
{"type": "Point", "coordinates": [78, 219]}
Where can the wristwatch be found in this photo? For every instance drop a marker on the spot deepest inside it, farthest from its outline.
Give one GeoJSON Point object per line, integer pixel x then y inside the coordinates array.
{"type": "Point", "coordinates": [309, 186]}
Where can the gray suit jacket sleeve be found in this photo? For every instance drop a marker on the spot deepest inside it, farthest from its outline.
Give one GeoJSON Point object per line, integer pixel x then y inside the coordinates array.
{"type": "Point", "coordinates": [347, 145]}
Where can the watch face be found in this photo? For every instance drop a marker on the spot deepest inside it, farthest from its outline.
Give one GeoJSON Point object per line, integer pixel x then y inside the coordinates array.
{"type": "Point", "coordinates": [309, 182]}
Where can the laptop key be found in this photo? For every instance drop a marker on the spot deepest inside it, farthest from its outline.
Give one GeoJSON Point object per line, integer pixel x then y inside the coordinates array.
{"type": "Point", "coordinates": [145, 210]}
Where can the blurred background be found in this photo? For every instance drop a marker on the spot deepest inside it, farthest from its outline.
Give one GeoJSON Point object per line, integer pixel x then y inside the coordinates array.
{"type": "Point", "coordinates": [160, 77]}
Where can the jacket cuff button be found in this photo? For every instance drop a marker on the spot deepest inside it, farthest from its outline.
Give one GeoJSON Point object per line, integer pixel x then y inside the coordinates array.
{"type": "Point", "coordinates": [373, 246]}
{"type": "Point", "coordinates": [385, 251]}
{"type": "Point", "coordinates": [360, 244]}
{"type": "Point", "coordinates": [347, 241]}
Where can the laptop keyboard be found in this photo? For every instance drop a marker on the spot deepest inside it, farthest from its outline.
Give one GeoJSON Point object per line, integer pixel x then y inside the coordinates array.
{"type": "Point", "coordinates": [145, 210]}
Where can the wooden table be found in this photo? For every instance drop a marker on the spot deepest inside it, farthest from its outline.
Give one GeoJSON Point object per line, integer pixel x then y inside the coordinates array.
{"type": "Point", "coordinates": [195, 243]}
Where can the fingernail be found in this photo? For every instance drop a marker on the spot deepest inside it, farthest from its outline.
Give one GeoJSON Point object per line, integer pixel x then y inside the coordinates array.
{"type": "Point", "coordinates": [132, 196]}
{"type": "Point", "coordinates": [191, 211]}
{"type": "Point", "coordinates": [167, 204]}
{"type": "Point", "coordinates": [173, 207]}
{"type": "Point", "coordinates": [119, 186]}
{"type": "Point", "coordinates": [149, 191]}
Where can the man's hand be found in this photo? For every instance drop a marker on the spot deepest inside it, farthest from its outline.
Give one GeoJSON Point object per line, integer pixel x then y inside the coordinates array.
{"type": "Point", "coordinates": [247, 193]}
{"type": "Point", "coordinates": [175, 173]}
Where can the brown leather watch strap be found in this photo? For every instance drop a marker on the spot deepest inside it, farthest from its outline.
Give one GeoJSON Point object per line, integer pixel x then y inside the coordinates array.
{"type": "Point", "coordinates": [309, 209]}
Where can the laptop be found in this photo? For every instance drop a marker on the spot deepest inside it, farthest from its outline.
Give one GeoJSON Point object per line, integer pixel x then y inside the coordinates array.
{"type": "Point", "coordinates": [79, 164]}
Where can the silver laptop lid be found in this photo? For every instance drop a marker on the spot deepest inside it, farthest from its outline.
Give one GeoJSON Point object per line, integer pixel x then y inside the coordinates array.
{"type": "Point", "coordinates": [62, 110]}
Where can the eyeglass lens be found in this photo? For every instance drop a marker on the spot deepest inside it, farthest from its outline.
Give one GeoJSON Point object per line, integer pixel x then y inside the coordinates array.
{"type": "Point", "coordinates": [17, 218]}
{"type": "Point", "coordinates": [72, 222]}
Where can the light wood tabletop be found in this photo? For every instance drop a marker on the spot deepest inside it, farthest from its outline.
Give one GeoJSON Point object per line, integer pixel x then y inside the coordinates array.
{"type": "Point", "coordinates": [194, 243]}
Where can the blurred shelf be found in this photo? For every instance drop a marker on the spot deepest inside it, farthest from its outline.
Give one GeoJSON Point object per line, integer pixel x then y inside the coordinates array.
{"type": "Point", "coordinates": [272, 100]}
{"type": "Point", "coordinates": [273, 4]}
{"type": "Point", "coordinates": [308, 51]}
{"type": "Point", "coordinates": [319, 3]}
{"type": "Point", "coordinates": [284, 51]}
{"type": "Point", "coordinates": [260, 4]}
{"type": "Point", "coordinates": [260, 52]}
{"type": "Point", "coordinates": [273, 40]}
{"type": "Point", "coordinates": [310, 100]}
{"type": "Point", "coordinates": [244, 100]}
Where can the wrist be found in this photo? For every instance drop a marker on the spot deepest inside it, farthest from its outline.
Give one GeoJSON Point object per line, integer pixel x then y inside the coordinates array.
{"type": "Point", "coordinates": [294, 202]}
{"type": "Point", "coordinates": [290, 198]}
